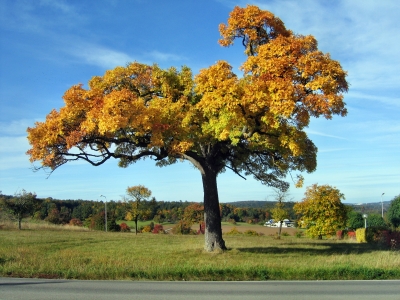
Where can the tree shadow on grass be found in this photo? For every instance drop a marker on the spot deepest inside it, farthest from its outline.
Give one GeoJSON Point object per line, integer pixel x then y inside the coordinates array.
{"type": "Point", "coordinates": [315, 249]}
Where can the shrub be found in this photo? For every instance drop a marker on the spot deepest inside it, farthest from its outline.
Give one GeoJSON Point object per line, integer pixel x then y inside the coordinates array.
{"type": "Point", "coordinates": [158, 228]}
{"type": "Point", "coordinates": [390, 239]}
{"type": "Point", "coordinates": [112, 224]}
{"type": "Point", "coordinates": [340, 234]}
{"type": "Point", "coordinates": [183, 227]}
{"type": "Point", "coordinates": [146, 228]}
{"type": "Point", "coordinates": [53, 216]}
{"type": "Point", "coordinates": [364, 235]}
{"type": "Point", "coordinates": [376, 221]}
{"type": "Point", "coordinates": [251, 232]}
{"type": "Point", "coordinates": [124, 227]}
{"type": "Point", "coordinates": [351, 235]}
{"type": "Point", "coordinates": [75, 222]}
{"type": "Point", "coordinates": [361, 235]}
{"type": "Point", "coordinates": [299, 234]}
{"type": "Point", "coordinates": [97, 222]}
{"type": "Point", "coordinates": [285, 233]}
{"type": "Point", "coordinates": [233, 231]}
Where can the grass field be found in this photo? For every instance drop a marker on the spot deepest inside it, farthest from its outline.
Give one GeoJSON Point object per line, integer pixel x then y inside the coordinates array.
{"type": "Point", "coordinates": [51, 253]}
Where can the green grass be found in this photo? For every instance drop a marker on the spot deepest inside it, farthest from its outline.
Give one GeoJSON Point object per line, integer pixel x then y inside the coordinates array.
{"type": "Point", "coordinates": [47, 253]}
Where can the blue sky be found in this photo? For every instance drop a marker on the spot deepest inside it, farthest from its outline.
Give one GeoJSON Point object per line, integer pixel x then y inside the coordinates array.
{"type": "Point", "coordinates": [48, 45]}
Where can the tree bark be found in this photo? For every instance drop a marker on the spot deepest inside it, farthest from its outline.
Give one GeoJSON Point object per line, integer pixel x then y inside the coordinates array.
{"type": "Point", "coordinates": [212, 216]}
{"type": "Point", "coordinates": [280, 230]}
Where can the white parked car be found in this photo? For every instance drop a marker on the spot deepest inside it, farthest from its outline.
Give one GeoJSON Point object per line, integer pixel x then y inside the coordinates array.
{"type": "Point", "coordinates": [285, 223]}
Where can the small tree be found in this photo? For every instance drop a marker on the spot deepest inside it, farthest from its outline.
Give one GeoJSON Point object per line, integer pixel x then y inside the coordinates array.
{"type": "Point", "coordinates": [354, 220]}
{"type": "Point", "coordinates": [321, 210]}
{"type": "Point", "coordinates": [393, 213]}
{"type": "Point", "coordinates": [194, 213]}
{"type": "Point", "coordinates": [279, 212]}
{"type": "Point", "coordinates": [20, 206]}
{"type": "Point", "coordinates": [137, 204]}
{"type": "Point", "coordinates": [97, 222]}
{"type": "Point", "coordinates": [376, 221]}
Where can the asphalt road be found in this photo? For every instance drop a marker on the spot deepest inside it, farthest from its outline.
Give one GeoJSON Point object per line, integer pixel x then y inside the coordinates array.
{"type": "Point", "coordinates": [43, 289]}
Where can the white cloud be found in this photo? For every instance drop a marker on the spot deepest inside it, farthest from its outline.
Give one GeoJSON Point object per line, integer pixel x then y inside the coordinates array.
{"type": "Point", "coordinates": [160, 56]}
{"type": "Point", "coordinates": [389, 101]}
{"type": "Point", "coordinates": [108, 58]}
{"type": "Point", "coordinates": [309, 131]}
{"type": "Point", "coordinates": [58, 5]}
{"type": "Point", "coordinates": [100, 56]}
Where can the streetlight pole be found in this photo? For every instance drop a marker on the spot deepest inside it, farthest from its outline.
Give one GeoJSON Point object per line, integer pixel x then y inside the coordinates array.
{"type": "Point", "coordinates": [105, 207]}
{"type": "Point", "coordinates": [365, 216]}
{"type": "Point", "coordinates": [382, 203]}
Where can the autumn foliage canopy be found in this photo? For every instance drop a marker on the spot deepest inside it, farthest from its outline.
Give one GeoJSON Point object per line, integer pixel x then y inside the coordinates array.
{"type": "Point", "coordinates": [252, 124]}
{"type": "Point", "coordinates": [322, 211]}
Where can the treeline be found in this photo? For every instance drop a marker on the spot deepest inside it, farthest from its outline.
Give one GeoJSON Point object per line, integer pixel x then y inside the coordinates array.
{"type": "Point", "coordinates": [85, 211]}
{"type": "Point", "coordinates": [62, 211]}
{"type": "Point", "coordinates": [92, 213]}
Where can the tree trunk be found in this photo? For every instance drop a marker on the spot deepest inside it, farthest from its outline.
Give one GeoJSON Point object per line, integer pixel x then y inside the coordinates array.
{"type": "Point", "coordinates": [19, 222]}
{"type": "Point", "coordinates": [212, 216]}
{"type": "Point", "coordinates": [280, 230]}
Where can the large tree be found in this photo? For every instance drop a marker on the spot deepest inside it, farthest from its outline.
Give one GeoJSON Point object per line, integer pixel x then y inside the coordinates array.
{"type": "Point", "coordinates": [322, 211]}
{"type": "Point", "coordinates": [252, 124]}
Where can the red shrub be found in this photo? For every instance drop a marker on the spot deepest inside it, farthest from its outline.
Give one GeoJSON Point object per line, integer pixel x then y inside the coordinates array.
{"type": "Point", "coordinates": [158, 228]}
{"type": "Point", "coordinates": [340, 234]}
{"type": "Point", "coordinates": [124, 227]}
{"type": "Point", "coordinates": [351, 235]}
{"type": "Point", "coordinates": [390, 239]}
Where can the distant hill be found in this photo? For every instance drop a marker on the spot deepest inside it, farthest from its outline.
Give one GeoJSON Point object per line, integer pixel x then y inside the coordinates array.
{"type": "Point", "coordinates": [375, 207]}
